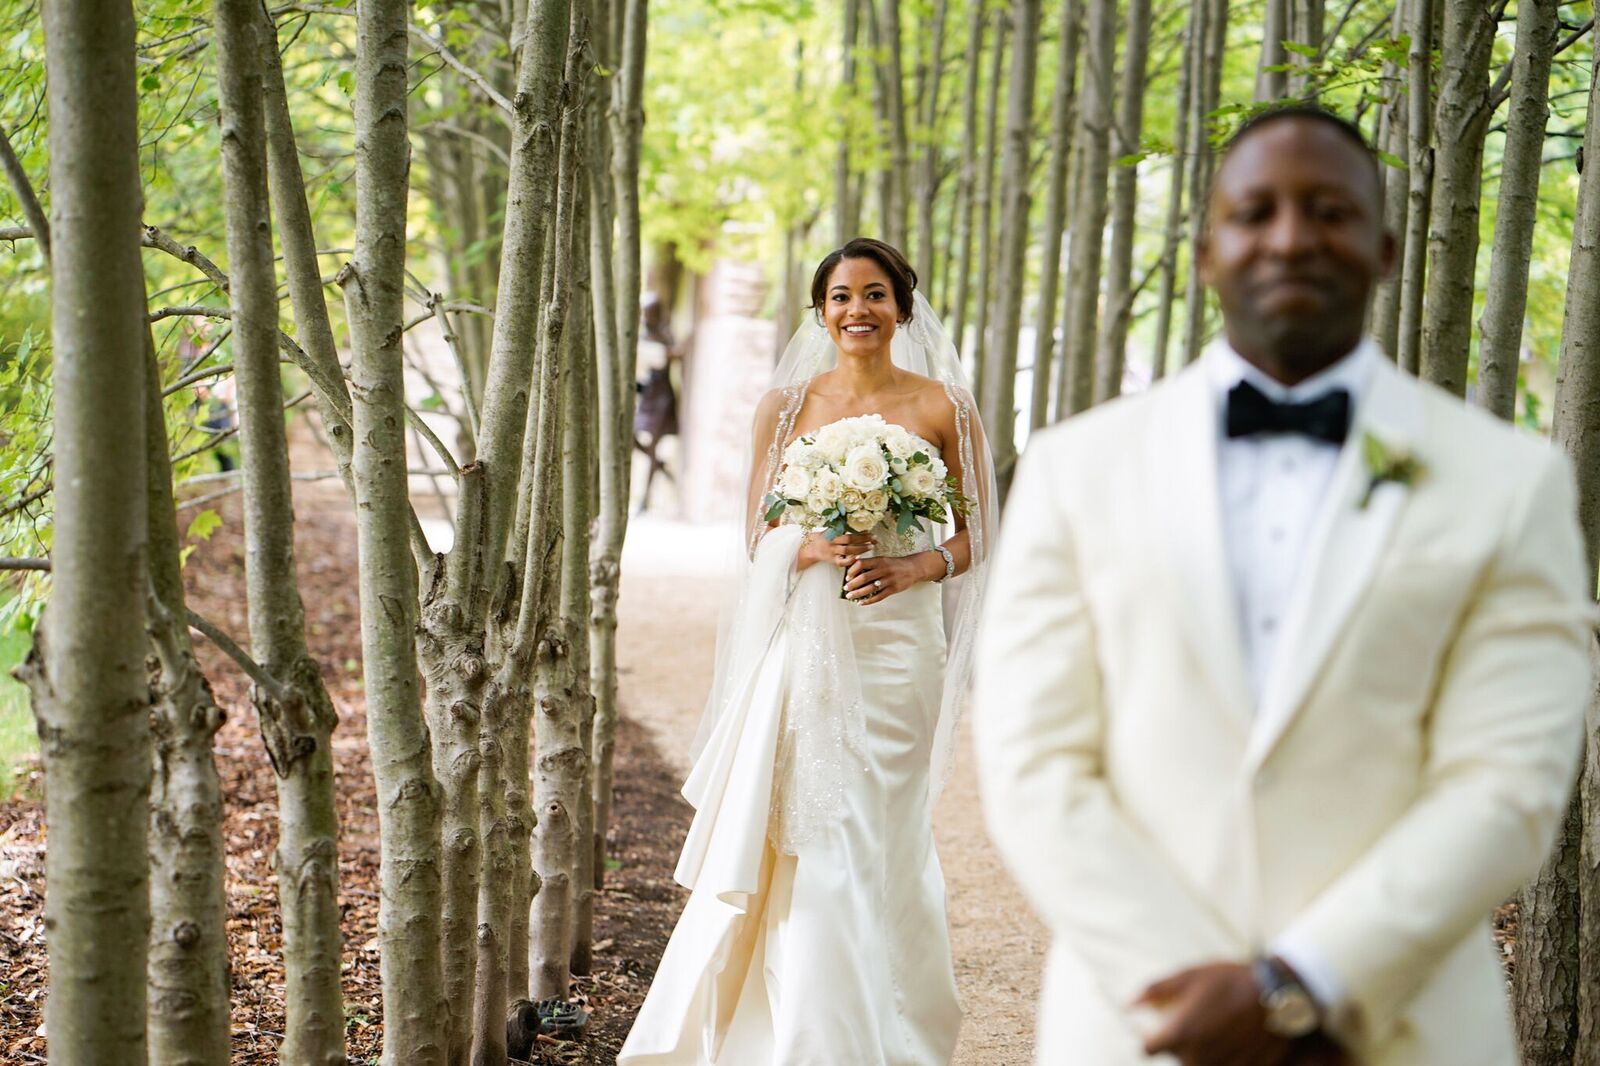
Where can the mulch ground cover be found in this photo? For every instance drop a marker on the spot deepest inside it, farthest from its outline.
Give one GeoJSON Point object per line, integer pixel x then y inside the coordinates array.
{"type": "Point", "coordinates": [634, 914]}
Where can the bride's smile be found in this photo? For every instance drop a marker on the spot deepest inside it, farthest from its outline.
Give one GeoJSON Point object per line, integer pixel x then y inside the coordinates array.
{"type": "Point", "coordinates": [860, 312]}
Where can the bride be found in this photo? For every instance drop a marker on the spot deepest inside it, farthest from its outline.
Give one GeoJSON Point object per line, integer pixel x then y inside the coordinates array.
{"type": "Point", "coordinates": [815, 934]}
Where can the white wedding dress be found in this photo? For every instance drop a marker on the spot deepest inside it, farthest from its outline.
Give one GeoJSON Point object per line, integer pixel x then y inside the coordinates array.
{"type": "Point", "coordinates": [837, 954]}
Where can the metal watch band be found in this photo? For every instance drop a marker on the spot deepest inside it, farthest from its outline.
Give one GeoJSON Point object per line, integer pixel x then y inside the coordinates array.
{"type": "Point", "coordinates": [949, 562]}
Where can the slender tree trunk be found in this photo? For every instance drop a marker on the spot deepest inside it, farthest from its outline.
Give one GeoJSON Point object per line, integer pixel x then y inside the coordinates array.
{"type": "Point", "coordinates": [298, 721]}
{"type": "Point", "coordinates": [1000, 387]}
{"type": "Point", "coordinates": [1419, 191]}
{"type": "Point", "coordinates": [1208, 82]}
{"type": "Point", "coordinates": [1306, 23]}
{"type": "Point", "coordinates": [1463, 115]}
{"type": "Point", "coordinates": [967, 182]}
{"type": "Point", "coordinates": [560, 759]}
{"type": "Point", "coordinates": [415, 1014]}
{"type": "Point", "coordinates": [1089, 212]}
{"type": "Point", "coordinates": [87, 668]}
{"type": "Point", "coordinates": [627, 135]}
{"type": "Point", "coordinates": [1394, 140]}
{"type": "Point", "coordinates": [1063, 116]}
{"type": "Point", "coordinates": [1126, 136]}
{"type": "Point", "coordinates": [986, 178]}
{"type": "Point", "coordinates": [1500, 344]}
{"type": "Point", "coordinates": [1558, 930]}
{"type": "Point", "coordinates": [847, 217]}
{"type": "Point", "coordinates": [1273, 84]}
{"type": "Point", "coordinates": [1171, 244]}
{"type": "Point", "coordinates": [927, 181]}
{"type": "Point", "coordinates": [895, 222]}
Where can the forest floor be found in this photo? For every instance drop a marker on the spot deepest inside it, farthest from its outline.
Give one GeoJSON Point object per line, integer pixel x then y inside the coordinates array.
{"type": "Point", "coordinates": [667, 635]}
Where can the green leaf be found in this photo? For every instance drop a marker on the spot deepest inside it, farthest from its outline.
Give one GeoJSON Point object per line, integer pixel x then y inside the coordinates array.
{"type": "Point", "coordinates": [346, 82]}
{"type": "Point", "coordinates": [1309, 51]}
{"type": "Point", "coordinates": [907, 520]}
{"type": "Point", "coordinates": [205, 523]}
{"type": "Point", "coordinates": [149, 83]}
{"type": "Point", "coordinates": [775, 507]}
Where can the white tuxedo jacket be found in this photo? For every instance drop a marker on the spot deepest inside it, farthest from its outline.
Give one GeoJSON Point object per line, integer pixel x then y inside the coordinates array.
{"type": "Point", "coordinates": [1402, 775]}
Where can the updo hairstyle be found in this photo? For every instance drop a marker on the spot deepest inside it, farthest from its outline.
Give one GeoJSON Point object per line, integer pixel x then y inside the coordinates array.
{"type": "Point", "coordinates": [902, 279]}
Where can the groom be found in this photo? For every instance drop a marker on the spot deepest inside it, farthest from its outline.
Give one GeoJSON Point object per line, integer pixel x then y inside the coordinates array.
{"type": "Point", "coordinates": [1282, 683]}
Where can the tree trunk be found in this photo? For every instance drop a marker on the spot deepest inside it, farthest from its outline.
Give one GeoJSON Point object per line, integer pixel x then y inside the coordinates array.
{"type": "Point", "coordinates": [1419, 190]}
{"type": "Point", "coordinates": [966, 184]}
{"type": "Point", "coordinates": [1386, 303]}
{"type": "Point", "coordinates": [1273, 84]}
{"type": "Point", "coordinates": [1063, 116]}
{"type": "Point", "coordinates": [1000, 386]}
{"type": "Point", "coordinates": [1171, 243]}
{"type": "Point", "coordinates": [895, 220]}
{"type": "Point", "coordinates": [414, 1011]}
{"type": "Point", "coordinates": [847, 217]}
{"type": "Point", "coordinates": [1558, 930]}
{"type": "Point", "coordinates": [87, 668]}
{"type": "Point", "coordinates": [188, 908]}
{"type": "Point", "coordinates": [1306, 20]}
{"type": "Point", "coordinates": [1089, 212]}
{"type": "Point", "coordinates": [297, 722]}
{"type": "Point", "coordinates": [1126, 136]}
{"type": "Point", "coordinates": [1208, 84]}
{"type": "Point", "coordinates": [627, 135]}
{"type": "Point", "coordinates": [1500, 344]}
{"type": "Point", "coordinates": [560, 782]}
{"type": "Point", "coordinates": [1463, 115]}
{"type": "Point", "coordinates": [991, 124]}
{"type": "Point", "coordinates": [927, 183]}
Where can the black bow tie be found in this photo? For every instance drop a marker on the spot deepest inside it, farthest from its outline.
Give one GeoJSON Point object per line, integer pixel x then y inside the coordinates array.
{"type": "Point", "coordinates": [1250, 411]}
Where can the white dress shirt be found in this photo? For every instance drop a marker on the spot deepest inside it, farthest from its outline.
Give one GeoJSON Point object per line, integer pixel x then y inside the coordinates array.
{"type": "Point", "coordinates": [1273, 488]}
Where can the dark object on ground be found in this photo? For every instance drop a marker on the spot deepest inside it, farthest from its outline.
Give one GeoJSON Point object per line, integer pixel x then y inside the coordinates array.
{"type": "Point", "coordinates": [561, 1018]}
{"type": "Point", "coordinates": [522, 1029]}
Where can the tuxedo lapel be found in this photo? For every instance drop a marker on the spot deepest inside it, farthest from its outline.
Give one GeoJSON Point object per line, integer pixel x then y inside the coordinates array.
{"type": "Point", "coordinates": [1183, 475]}
{"type": "Point", "coordinates": [1343, 555]}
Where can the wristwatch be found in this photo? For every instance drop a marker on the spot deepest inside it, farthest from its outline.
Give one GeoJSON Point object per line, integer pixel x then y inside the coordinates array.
{"type": "Point", "coordinates": [1291, 1010]}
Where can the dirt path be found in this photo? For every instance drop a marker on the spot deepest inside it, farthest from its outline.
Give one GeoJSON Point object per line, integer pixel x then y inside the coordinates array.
{"type": "Point", "coordinates": [668, 630]}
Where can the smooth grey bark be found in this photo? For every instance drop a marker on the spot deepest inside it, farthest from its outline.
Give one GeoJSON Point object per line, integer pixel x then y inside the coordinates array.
{"type": "Point", "coordinates": [895, 222]}
{"type": "Point", "coordinates": [927, 163]}
{"type": "Point", "coordinates": [415, 1015]}
{"type": "Point", "coordinates": [560, 759]}
{"type": "Point", "coordinates": [1462, 114]}
{"type": "Point", "coordinates": [1558, 929]}
{"type": "Point", "coordinates": [297, 720]}
{"type": "Point", "coordinates": [846, 213]}
{"type": "Point", "coordinates": [1063, 117]}
{"type": "Point", "coordinates": [1393, 140]}
{"type": "Point", "coordinates": [1171, 245]}
{"type": "Point", "coordinates": [1126, 135]}
{"type": "Point", "coordinates": [1500, 338]}
{"type": "Point", "coordinates": [985, 194]}
{"type": "Point", "coordinates": [1305, 27]}
{"type": "Point", "coordinates": [966, 183]}
{"type": "Point", "coordinates": [1273, 84]}
{"type": "Point", "coordinates": [627, 137]}
{"type": "Point", "coordinates": [1000, 368]}
{"type": "Point", "coordinates": [1419, 191]}
{"type": "Point", "coordinates": [1089, 210]}
{"type": "Point", "coordinates": [1208, 86]}
{"type": "Point", "coordinates": [86, 671]}
{"type": "Point", "coordinates": [578, 507]}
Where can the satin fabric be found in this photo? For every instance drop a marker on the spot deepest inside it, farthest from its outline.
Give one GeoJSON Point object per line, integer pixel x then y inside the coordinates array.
{"type": "Point", "coordinates": [838, 955]}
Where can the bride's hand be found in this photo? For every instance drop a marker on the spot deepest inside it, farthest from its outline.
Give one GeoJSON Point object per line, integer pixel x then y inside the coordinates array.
{"type": "Point", "coordinates": [840, 551]}
{"type": "Point", "coordinates": [874, 580]}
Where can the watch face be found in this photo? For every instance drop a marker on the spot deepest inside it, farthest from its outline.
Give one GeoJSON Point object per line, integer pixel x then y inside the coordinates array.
{"type": "Point", "coordinates": [1291, 1012]}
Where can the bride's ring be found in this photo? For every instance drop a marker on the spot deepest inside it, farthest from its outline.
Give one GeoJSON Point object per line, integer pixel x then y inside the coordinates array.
{"type": "Point", "coordinates": [877, 583]}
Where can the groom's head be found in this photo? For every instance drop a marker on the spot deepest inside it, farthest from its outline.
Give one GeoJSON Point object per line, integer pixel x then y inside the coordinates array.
{"type": "Point", "coordinates": [1295, 241]}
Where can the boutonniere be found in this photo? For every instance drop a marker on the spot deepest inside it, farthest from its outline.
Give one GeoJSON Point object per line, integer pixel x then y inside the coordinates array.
{"type": "Point", "coordinates": [1386, 462]}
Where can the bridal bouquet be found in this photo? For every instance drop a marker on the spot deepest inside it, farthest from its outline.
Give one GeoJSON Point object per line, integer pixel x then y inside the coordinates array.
{"type": "Point", "coordinates": [858, 474]}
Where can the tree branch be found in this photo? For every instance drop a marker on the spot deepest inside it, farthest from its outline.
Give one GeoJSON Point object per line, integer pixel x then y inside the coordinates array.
{"type": "Point", "coordinates": [16, 563]}
{"type": "Point", "coordinates": [25, 194]}
{"type": "Point", "coordinates": [477, 80]}
{"type": "Point", "coordinates": [242, 658]}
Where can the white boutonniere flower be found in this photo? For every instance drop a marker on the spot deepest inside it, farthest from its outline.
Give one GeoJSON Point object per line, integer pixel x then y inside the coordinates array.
{"type": "Point", "coordinates": [1388, 463]}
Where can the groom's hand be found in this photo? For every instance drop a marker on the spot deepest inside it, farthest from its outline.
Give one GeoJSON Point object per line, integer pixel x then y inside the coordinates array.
{"type": "Point", "coordinates": [1213, 1017]}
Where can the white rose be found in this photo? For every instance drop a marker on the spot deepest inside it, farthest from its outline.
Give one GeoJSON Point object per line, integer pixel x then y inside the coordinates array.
{"type": "Point", "coordinates": [877, 500]}
{"type": "Point", "coordinates": [940, 471]}
{"type": "Point", "coordinates": [852, 499]}
{"type": "Point", "coordinates": [833, 441]}
{"type": "Point", "coordinates": [802, 454]}
{"type": "Point", "coordinates": [796, 482]}
{"type": "Point", "coordinates": [920, 480]}
{"type": "Point", "coordinates": [861, 521]}
{"type": "Point", "coordinates": [827, 486]}
{"type": "Point", "coordinates": [865, 468]}
{"type": "Point", "coordinates": [902, 445]}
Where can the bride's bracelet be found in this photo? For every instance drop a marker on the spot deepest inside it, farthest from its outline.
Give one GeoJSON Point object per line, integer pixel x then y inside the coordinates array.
{"type": "Point", "coordinates": [949, 563]}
